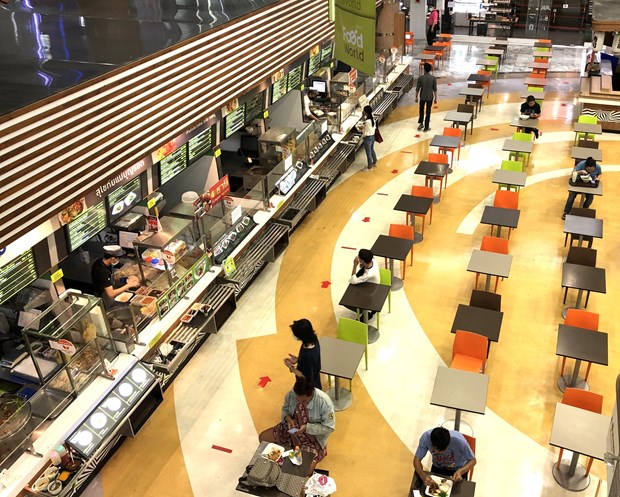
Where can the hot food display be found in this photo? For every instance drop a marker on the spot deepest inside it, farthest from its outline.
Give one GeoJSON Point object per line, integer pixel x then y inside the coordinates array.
{"type": "Point", "coordinates": [322, 146]}
{"type": "Point", "coordinates": [232, 238]}
{"type": "Point", "coordinates": [291, 177]}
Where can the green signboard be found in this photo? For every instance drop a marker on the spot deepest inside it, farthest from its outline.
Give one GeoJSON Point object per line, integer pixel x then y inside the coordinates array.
{"type": "Point", "coordinates": [363, 8]}
{"type": "Point", "coordinates": [355, 39]}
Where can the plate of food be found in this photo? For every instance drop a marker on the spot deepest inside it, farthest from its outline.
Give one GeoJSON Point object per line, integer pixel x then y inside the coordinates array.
{"type": "Point", "coordinates": [273, 452]}
{"type": "Point", "coordinates": [118, 208]}
{"type": "Point", "coordinates": [73, 211]}
{"type": "Point", "coordinates": [130, 198]}
{"type": "Point", "coordinates": [196, 307]}
{"type": "Point", "coordinates": [200, 269]}
{"type": "Point", "coordinates": [124, 297]}
{"type": "Point", "coordinates": [187, 318]}
{"type": "Point", "coordinates": [441, 488]}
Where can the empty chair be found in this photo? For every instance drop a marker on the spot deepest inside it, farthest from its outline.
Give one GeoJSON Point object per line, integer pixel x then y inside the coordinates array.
{"type": "Point", "coordinates": [583, 212]}
{"type": "Point", "coordinates": [476, 100]}
{"type": "Point", "coordinates": [511, 165]}
{"type": "Point", "coordinates": [403, 231]}
{"type": "Point", "coordinates": [469, 352]}
{"type": "Point", "coordinates": [522, 156]}
{"type": "Point", "coordinates": [586, 119]}
{"type": "Point", "coordinates": [506, 199]}
{"type": "Point", "coordinates": [422, 191]}
{"type": "Point", "coordinates": [584, 257]}
{"type": "Point", "coordinates": [465, 108]}
{"type": "Point", "coordinates": [580, 319]}
{"type": "Point", "coordinates": [583, 400]}
{"type": "Point", "coordinates": [432, 62]}
{"type": "Point", "coordinates": [541, 40]}
{"type": "Point", "coordinates": [493, 244]}
{"type": "Point", "coordinates": [486, 300]}
{"type": "Point", "coordinates": [386, 279]}
{"type": "Point", "coordinates": [452, 132]}
{"type": "Point", "coordinates": [485, 83]}
{"type": "Point", "coordinates": [438, 54]}
{"type": "Point", "coordinates": [354, 331]}
{"type": "Point", "coordinates": [442, 159]}
{"type": "Point", "coordinates": [494, 68]}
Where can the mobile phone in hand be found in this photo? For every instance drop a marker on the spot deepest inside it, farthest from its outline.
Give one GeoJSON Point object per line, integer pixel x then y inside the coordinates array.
{"type": "Point", "coordinates": [293, 430]}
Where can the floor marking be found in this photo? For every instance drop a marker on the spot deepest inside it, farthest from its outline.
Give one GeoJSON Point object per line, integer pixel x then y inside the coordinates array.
{"type": "Point", "coordinates": [223, 449]}
{"type": "Point", "coordinates": [349, 248]}
{"type": "Point", "coordinates": [262, 381]}
{"type": "Point", "coordinates": [366, 220]}
{"type": "Point", "coordinates": [384, 194]}
{"type": "Point", "coordinates": [325, 284]}
{"type": "Point", "coordinates": [394, 171]}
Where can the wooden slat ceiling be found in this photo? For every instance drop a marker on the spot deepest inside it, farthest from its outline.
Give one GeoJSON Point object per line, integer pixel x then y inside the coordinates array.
{"type": "Point", "coordinates": [57, 150]}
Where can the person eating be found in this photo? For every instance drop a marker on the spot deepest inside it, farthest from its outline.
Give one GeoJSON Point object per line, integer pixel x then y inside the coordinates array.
{"type": "Point", "coordinates": [531, 109]}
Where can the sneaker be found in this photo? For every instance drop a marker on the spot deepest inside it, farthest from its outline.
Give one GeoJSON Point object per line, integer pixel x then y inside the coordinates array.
{"type": "Point", "coordinates": [427, 129]}
{"type": "Point", "coordinates": [420, 127]}
{"type": "Point", "coordinates": [366, 169]}
{"type": "Point", "coordinates": [564, 215]}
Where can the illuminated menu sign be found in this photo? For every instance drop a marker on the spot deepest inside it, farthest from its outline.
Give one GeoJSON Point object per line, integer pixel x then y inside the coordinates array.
{"type": "Point", "coordinates": [294, 79]}
{"type": "Point", "coordinates": [125, 197]}
{"type": "Point", "coordinates": [326, 53]}
{"type": "Point", "coordinates": [254, 107]}
{"type": "Point", "coordinates": [314, 63]}
{"type": "Point", "coordinates": [17, 274]}
{"type": "Point", "coordinates": [200, 144]}
{"type": "Point", "coordinates": [278, 90]}
{"type": "Point", "coordinates": [88, 224]}
{"type": "Point", "coordinates": [234, 121]}
{"type": "Point", "coordinates": [172, 164]}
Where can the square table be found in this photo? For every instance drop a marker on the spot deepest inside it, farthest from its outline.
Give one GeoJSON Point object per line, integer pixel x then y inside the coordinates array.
{"type": "Point", "coordinates": [432, 170]}
{"type": "Point", "coordinates": [583, 226]}
{"type": "Point", "coordinates": [491, 264]}
{"type": "Point", "coordinates": [582, 278]}
{"type": "Point", "coordinates": [536, 95]}
{"type": "Point", "coordinates": [511, 145]}
{"type": "Point", "coordinates": [500, 42]}
{"type": "Point", "coordinates": [582, 432]}
{"type": "Point", "coordinates": [496, 52]}
{"type": "Point", "coordinates": [287, 467]}
{"type": "Point", "coordinates": [539, 65]}
{"type": "Point", "coordinates": [542, 44]}
{"type": "Point", "coordinates": [485, 322]}
{"type": "Point", "coordinates": [500, 217]}
{"type": "Point", "coordinates": [392, 247]}
{"type": "Point", "coordinates": [582, 153]}
{"type": "Point", "coordinates": [486, 62]}
{"type": "Point", "coordinates": [415, 205]}
{"type": "Point", "coordinates": [458, 118]}
{"type": "Point", "coordinates": [536, 82]}
{"type": "Point", "coordinates": [484, 78]}
{"type": "Point", "coordinates": [460, 390]}
{"type": "Point", "coordinates": [511, 178]}
{"type": "Point", "coordinates": [444, 143]}
{"type": "Point", "coordinates": [340, 358]}
{"type": "Point", "coordinates": [470, 94]}
{"type": "Point", "coordinates": [367, 297]}
{"type": "Point", "coordinates": [588, 129]}
{"type": "Point", "coordinates": [583, 190]}
{"type": "Point", "coordinates": [582, 345]}
{"type": "Point", "coordinates": [434, 48]}
{"type": "Point", "coordinates": [425, 56]}
{"type": "Point", "coordinates": [517, 122]}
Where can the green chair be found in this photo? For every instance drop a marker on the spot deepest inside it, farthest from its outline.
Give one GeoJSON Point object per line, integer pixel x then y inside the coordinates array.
{"type": "Point", "coordinates": [494, 68]}
{"type": "Point", "coordinates": [586, 119]}
{"type": "Point", "coordinates": [354, 331]}
{"type": "Point", "coordinates": [511, 165]}
{"type": "Point", "coordinates": [521, 156]}
{"type": "Point", "coordinates": [386, 279]}
{"type": "Point", "coordinates": [541, 49]}
{"type": "Point", "coordinates": [535, 89]}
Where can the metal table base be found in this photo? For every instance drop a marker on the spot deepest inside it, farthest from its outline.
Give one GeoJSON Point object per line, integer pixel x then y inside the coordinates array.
{"type": "Point", "coordinates": [341, 397]}
{"type": "Point", "coordinates": [571, 477]}
{"type": "Point", "coordinates": [573, 380]}
{"type": "Point", "coordinates": [397, 283]}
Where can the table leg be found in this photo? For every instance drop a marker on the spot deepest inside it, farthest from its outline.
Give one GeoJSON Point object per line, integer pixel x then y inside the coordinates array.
{"type": "Point", "coordinates": [571, 476]}
{"type": "Point", "coordinates": [341, 397]}
{"type": "Point", "coordinates": [417, 237]}
{"type": "Point", "coordinates": [573, 464]}
{"type": "Point", "coordinates": [436, 198]}
{"type": "Point", "coordinates": [397, 283]}
{"type": "Point", "coordinates": [580, 241]}
{"type": "Point", "coordinates": [499, 231]}
{"type": "Point", "coordinates": [457, 420]}
{"type": "Point", "coordinates": [573, 380]}
{"type": "Point", "coordinates": [487, 285]}
{"type": "Point", "coordinates": [373, 332]}
{"type": "Point", "coordinates": [337, 388]}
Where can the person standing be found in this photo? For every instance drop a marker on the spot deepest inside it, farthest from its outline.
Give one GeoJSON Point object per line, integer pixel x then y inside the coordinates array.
{"type": "Point", "coordinates": [101, 275]}
{"type": "Point", "coordinates": [431, 25]}
{"type": "Point", "coordinates": [592, 171]}
{"type": "Point", "coordinates": [426, 92]}
{"type": "Point", "coordinates": [308, 99]}
{"type": "Point", "coordinates": [368, 128]}
{"type": "Point", "coordinates": [308, 362]}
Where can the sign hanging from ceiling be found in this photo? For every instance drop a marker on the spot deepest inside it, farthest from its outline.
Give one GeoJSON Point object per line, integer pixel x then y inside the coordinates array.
{"type": "Point", "coordinates": [355, 34]}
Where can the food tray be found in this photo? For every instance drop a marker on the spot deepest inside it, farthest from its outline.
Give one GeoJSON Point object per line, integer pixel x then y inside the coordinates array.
{"type": "Point", "coordinates": [439, 481]}
{"type": "Point", "coordinates": [273, 448]}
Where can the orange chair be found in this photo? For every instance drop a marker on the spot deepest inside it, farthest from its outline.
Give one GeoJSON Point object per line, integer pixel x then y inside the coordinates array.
{"type": "Point", "coordinates": [486, 83]}
{"type": "Point", "coordinates": [407, 232]}
{"type": "Point", "coordinates": [508, 200]}
{"type": "Point", "coordinates": [471, 441]}
{"type": "Point", "coordinates": [442, 159]}
{"type": "Point", "coordinates": [452, 132]}
{"type": "Point", "coordinates": [439, 55]}
{"type": "Point", "coordinates": [422, 62]}
{"type": "Point", "coordinates": [580, 319]}
{"type": "Point", "coordinates": [583, 400]}
{"type": "Point", "coordinates": [541, 60]}
{"type": "Point", "coordinates": [493, 244]}
{"type": "Point", "coordinates": [541, 40]}
{"type": "Point", "coordinates": [535, 75]}
{"type": "Point", "coordinates": [469, 352]}
{"type": "Point", "coordinates": [422, 191]}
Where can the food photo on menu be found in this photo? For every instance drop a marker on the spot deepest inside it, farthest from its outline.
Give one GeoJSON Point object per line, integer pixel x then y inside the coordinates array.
{"type": "Point", "coordinates": [72, 211]}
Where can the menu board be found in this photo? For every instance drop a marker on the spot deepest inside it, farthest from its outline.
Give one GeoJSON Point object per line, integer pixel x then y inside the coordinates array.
{"type": "Point", "coordinates": [172, 164]}
{"type": "Point", "coordinates": [125, 197]}
{"type": "Point", "coordinates": [254, 106]}
{"type": "Point", "coordinates": [17, 274]}
{"type": "Point", "coordinates": [200, 144]}
{"type": "Point", "coordinates": [234, 121]}
{"type": "Point", "coordinates": [314, 63]}
{"type": "Point", "coordinates": [278, 90]}
{"type": "Point", "coordinates": [326, 53]}
{"type": "Point", "coordinates": [294, 79]}
{"type": "Point", "coordinates": [88, 224]}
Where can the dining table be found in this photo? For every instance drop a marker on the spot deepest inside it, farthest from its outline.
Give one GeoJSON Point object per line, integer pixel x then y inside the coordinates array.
{"type": "Point", "coordinates": [414, 204]}
{"type": "Point", "coordinates": [580, 226]}
{"type": "Point", "coordinates": [366, 297]}
{"type": "Point", "coordinates": [500, 217]}
{"type": "Point", "coordinates": [432, 170]}
{"type": "Point", "coordinates": [582, 278]}
{"type": "Point", "coordinates": [392, 248]}
{"type": "Point", "coordinates": [340, 359]}
{"type": "Point", "coordinates": [490, 264]}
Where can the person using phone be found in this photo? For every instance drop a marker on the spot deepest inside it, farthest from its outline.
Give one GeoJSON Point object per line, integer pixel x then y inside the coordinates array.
{"type": "Point", "coordinates": [451, 455]}
{"type": "Point", "coordinates": [308, 362]}
{"type": "Point", "coordinates": [311, 412]}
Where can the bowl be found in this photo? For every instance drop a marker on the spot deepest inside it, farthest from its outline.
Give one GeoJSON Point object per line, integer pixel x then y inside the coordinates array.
{"type": "Point", "coordinates": [189, 197]}
{"type": "Point", "coordinates": [40, 484]}
{"type": "Point", "coordinates": [523, 116]}
{"type": "Point", "coordinates": [54, 487]}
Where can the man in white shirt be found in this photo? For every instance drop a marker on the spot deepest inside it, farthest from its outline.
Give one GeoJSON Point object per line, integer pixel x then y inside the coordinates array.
{"type": "Point", "coordinates": [308, 99]}
{"type": "Point", "coordinates": [368, 269]}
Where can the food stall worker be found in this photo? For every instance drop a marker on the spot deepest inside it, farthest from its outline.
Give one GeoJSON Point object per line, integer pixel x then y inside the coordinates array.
{"type": "Point", "coordinates": [308, 98]}
{"type": "Point", "coordinates": [101, 275]}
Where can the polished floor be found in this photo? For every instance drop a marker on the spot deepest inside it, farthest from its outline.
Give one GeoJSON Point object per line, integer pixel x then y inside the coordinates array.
{"type": "Point", "coordinates": [216, 401]}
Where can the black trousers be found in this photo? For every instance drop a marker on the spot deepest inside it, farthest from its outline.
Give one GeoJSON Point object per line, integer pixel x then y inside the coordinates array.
{"type": "Point", "coordinates": [430, 34]}
{"type": "Point", "coordinates": [426, 120]}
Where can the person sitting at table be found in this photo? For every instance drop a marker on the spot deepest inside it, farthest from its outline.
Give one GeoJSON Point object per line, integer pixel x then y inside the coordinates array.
{"type": "Point", "coordinates": [532, 109]}
{"type": "Point", "coordinates": [451, 454]}
{"type": "Point", "coordinates": [591, 169]}
{"type": "Point", "coordinates": [308, 419]}
{"type": "Point", "coordinates": [365, 268]}
{"type": "Point", "coordinates": [308, 362]}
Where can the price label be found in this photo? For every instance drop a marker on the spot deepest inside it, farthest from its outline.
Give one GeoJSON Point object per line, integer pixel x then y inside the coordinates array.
{"type": "Point", "coordinates": [218, 152]}
{"type": "Point", "coordinates": [55, 276]}
{"type": "Point", "coordinates": [151, 203]}
{"type": "Point", "coordinates": [265, 114]}
{"type": "Point", "coordinates": [64, 346]}
{"type": "Point", "coordinates": [155, 339]}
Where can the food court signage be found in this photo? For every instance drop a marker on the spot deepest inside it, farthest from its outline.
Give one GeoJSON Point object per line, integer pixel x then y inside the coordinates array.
{"type": "Point", "coordinates": [355, 34]}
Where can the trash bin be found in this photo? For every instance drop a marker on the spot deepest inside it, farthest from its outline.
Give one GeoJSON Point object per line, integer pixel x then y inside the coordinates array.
{"type": "Point", "coordinates": [482, 28]}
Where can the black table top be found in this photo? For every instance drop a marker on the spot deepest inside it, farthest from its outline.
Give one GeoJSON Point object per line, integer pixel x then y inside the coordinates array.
{"type": "Point", "coordinates": [433, 48]}
{"type": "Point", "coordinates": [412, 203]}
{"type": "Point", "coordinates": [366, 296]}
{"type": "Point", "coordinates": [586, 226]}
{"type": "Point", "coordinates": [478, 320]}
{"type": "Point", "coordinates": [583, 344]}
{"type": "Point", "coordinates": [499, 216]}
{"type": "Point", "coordinates": [287, 467]}
{"type": "Point", "coordinates": [392, 247]}
{"type": "Point", "coordinates": [583, 277]}
{"type": "Point", "coordinates": [479, 77]}
{"type": "Point", "coordinates": [445, 141]}
{"type": "Point", "coordinates": [428, 168]}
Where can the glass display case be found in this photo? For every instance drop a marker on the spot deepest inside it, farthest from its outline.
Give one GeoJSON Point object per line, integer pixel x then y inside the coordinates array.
{"type": "Point", "coordinates": [275, 145]}
{"type": "Point", "coordinates": [72, 334]}
{"type": "Point", "coordinates": [227, 236]}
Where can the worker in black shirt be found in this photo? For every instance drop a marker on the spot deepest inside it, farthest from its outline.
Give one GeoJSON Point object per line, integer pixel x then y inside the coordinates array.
{"type": "Point", "coordinates": [531, 108]}
{"type": "Point", "coordinates": [101, 275]}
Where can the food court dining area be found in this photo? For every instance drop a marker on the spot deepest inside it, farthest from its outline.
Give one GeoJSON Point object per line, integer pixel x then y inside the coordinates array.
{"type": "Point", "coordinates": [494, 316]}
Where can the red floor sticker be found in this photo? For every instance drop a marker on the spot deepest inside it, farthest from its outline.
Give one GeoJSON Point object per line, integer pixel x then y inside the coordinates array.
{"type": "Point", "coordinates": [494, 129]}
{"type": "Point", "coordinates": [417, 136]}
{"type": "Point", "coordinates": [366, 220]}
{"type": "Point", "coordinates": [325, 284]}
{"type": "Point", "coordinates": [262, 381]}
{"type": "Point", "coordinates": [563, 105]}
{"type": "Point", "coordinates": [394, 171]}
{"type": "Point", "coordinates": [223, 449]}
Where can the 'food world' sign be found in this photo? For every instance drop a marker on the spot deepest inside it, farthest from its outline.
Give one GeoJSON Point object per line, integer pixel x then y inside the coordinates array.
{"type": "Point", "coordinates": [355, 34]}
